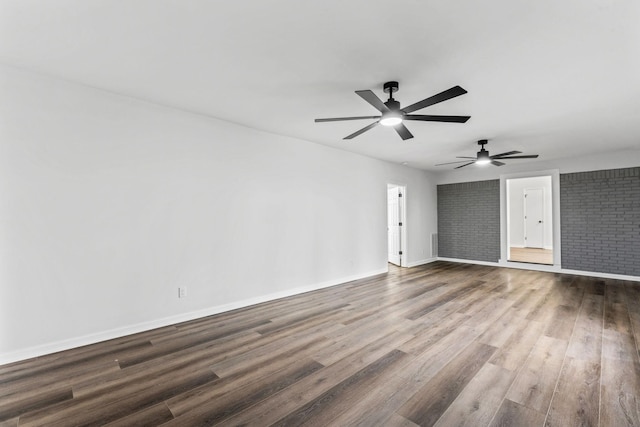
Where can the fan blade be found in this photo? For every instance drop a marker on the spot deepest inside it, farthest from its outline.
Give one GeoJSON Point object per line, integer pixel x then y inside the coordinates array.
{"type": "Point", "coordinates": [508, 153]}
{"type": "Point", "coordinates": [467, 164]}
{"type": "Point", "coordinates": [363, 130]}
{"type": "Point", "coordinates": [496, 163]}
{"type": "Point", "coordinates": [442, 96]}
{"type": "Point", "coordinates": [463, 157]}
{"type": "Point", "coordinates": [403, 131]}
{"type": "Point", "coordinates": [372, 99]}
{"type": "Point", "coordinates": [449, 119]}
{"type": "Point", "coordinates": [338, 119]}
{"type": "Point", "coordinates": [532, 156]}
{"type": "Point", "coordinates": [450, 163]}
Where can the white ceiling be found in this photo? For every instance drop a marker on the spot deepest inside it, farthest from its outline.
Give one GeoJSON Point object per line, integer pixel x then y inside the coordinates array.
{"type": "Point", "coordinates": [556, 78]}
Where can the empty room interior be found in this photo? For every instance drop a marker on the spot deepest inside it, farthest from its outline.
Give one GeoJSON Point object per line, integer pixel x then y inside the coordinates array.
{"type": "Point", "coordinates": [319, 213]}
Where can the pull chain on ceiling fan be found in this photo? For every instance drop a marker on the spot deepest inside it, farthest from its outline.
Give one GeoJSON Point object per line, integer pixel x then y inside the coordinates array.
{"type": "Point", "coordinates": [394, 116]}
{"type": "Point", "coordinates": [483, 157]}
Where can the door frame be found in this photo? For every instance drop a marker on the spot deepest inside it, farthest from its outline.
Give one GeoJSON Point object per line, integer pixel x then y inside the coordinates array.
{"type": "Point", "coordinates": [555, 209]}
{"type": "Point", "coordinates": [403, 219]}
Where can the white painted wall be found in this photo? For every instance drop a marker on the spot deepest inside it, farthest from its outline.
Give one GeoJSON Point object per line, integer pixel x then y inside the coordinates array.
{"type": "Point", "coordinates": [108, 204]}
{"type": "Point", "coordinates": [515, 188]}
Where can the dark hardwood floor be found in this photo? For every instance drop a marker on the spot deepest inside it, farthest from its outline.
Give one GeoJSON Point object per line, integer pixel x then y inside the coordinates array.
{"type": "Point", "coordinates": [443, 344]}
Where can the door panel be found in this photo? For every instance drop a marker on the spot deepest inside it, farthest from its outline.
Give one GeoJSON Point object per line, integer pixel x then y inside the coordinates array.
{"type": "Point", "coordinates": [534, 217]}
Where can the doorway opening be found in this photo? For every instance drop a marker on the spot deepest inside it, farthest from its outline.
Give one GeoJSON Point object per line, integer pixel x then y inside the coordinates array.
{"type": "Point", "coordinates": [530, 220]}
{"type": "Point", "coordinates": [396, 224]}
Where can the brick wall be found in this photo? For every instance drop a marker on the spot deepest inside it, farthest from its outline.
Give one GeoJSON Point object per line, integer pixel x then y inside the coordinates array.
{"type": "Point", "coordinates": [600, 220]}
{"type": "Point", "coordinates": [469, 220]}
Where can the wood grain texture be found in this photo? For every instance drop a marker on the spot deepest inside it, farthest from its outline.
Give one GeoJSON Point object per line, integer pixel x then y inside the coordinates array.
{"type": "Point", "coordinates": [432, 400]}
{"type": "Point", "coordinates": [579, 386]}
{"type": "Point", "coordinates": [513, 414]}
{"type": "Point", "coordinates": [440, 344]}
{"type": "Point", "coordinates": [479, 401]}
{"type": "Point", "coordinates": [536, 381]}
{"type": "Point", "coordinates": [620, 401]}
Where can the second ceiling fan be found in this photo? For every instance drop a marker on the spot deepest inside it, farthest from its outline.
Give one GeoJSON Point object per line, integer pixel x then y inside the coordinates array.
{"type": "Point", "coordinates": [394, 116]}
{"type": "Point", "coordinates": [483, 157]}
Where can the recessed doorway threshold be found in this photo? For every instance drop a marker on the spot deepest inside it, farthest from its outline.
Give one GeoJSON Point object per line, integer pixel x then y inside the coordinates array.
{"type": "Point", "coordinates": [531, 255]}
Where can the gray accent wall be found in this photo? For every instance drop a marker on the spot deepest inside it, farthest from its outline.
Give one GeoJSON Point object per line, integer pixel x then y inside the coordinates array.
{"type": "Point", "coordinates": [600, 220]}
{"type": "Point", "coordinates": [469, 220]}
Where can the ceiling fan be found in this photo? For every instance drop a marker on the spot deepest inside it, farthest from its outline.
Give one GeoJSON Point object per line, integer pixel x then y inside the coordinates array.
{"type": "Point", "coordinates": [393, 115]}
{"type": "Point", "coordinates": [484, 158]}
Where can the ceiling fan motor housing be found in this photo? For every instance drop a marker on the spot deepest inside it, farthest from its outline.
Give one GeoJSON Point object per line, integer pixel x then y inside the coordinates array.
{"type": "Point", "coordinates": [392, 105]}
{"type": "Point", "coordinates": [483, 155]}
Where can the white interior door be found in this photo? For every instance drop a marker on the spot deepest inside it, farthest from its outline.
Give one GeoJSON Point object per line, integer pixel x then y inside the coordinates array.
{"type": "Point", "coordinates": [394, 225]}
{"type": "Point", "coordinates": [534, 217]}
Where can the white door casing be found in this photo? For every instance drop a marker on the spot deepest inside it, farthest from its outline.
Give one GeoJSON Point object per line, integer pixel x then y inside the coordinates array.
{"type": "Point", "coordinates": [394, 227]}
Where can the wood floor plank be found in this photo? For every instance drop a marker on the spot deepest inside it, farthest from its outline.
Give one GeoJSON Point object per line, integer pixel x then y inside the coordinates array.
{"type": "Point", "coordinates": [224, 402]}
{"type": "Point", "coordinates": [379, 406]}
{"type": "Point", "coordinates": [10, 423]}
{"type": "Point", "coordinates": [434, 303]}
{"type": "Point", "coordinates": [339, 348]}
{"type": "Point", "coordinates": [618, 346]}
{"type": "Point", "coordinates": [620, 404]}
{"type": "Point", "coordinates": [309, 388]}
{"type": "Point", "coordinates": [513, 353]}
{"type": "Point", "coordinates": [103, 408]}
{"type": "Point", "coordinates": [428, 405]}
{"type": "Point", "coordinates": [576, 400]}
{"type": "Point", "coordinates": [485, 318]}
{"type": "Point", "coordinates": [632, 292]}
{"type": "Point", "coordinates": [300, 344]}
{"type": "Point", "coordinates": [429, 362]}
{"type": "Point", "coordinates": [617, 318]}
{"type": "Point", "coordinates": [513, 414]}
{"type": "Point", "coordinates": [428, 336]}
{"type": "Point", "coordinates": [586, 339]}
{"type": "Point", "coordinates": [536, 381]}
{"type": "Point", "coordinates": [14, 405]}
{"type": "Point", "coordinates": [562, 322]}
{"type": "Point", "coordinates": [148, 417]}
{"type": "Point", "coordinates": [186, 341]}
{"type": "Point", "coordinates": [186, 360]}
{"type": "Point", "coordinates": [394, 420]}
{"type": "Point", "coordinates": [446, 343]}
{"type": "Point", "coordinates": [335, 400]}
{"type": "Point", "coordinates": [498, 332]}
{"type": "Point", "coordinates": [479, 401]}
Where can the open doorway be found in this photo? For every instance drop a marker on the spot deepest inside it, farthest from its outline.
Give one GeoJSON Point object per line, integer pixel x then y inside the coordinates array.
{"type": "Point", "coordinates": [530, 220]}
{"type": "Point", "coordinates": [531, 217]}
{"type": "Point", "coordinates": [396, 224]}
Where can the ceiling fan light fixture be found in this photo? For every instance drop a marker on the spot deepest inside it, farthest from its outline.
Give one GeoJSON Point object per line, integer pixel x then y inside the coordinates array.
{"type": "Point", "coordinates": [394, 116]}
{"type": "Point", "coordinates": [483, 158]}
{"type": "Point", "coordinates": [391, 118]}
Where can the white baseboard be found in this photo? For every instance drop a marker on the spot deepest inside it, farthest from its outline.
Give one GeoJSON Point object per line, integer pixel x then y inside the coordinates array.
{"type": "Point", "coordinates": [545, 268]}
{"type": "Point", "coordinates": [421, 262]}
{"type": "Point", "coordinates": [603, 275]}
{"type": "Point", "coordinates": [469, 261]}
{"type": "Point", "coordinates": [54, 347]}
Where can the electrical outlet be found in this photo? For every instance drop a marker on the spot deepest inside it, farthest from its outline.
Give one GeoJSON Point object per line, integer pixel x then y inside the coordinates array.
{"type": "Point", "coordinates": [182, 291]}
